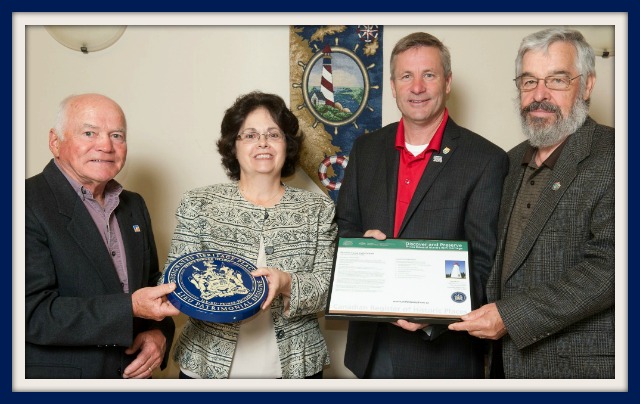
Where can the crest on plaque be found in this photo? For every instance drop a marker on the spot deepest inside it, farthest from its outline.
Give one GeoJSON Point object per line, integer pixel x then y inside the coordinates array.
{"type": "Point", "coordinates": [215, 286]}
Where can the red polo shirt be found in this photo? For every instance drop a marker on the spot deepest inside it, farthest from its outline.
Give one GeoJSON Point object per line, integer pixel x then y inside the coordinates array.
{"type": "Point", "coordinates": [411, 169]}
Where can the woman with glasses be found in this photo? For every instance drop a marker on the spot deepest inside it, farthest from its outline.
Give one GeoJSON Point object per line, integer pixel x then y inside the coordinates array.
{"type": "Point", "coordinates": [289, 235]}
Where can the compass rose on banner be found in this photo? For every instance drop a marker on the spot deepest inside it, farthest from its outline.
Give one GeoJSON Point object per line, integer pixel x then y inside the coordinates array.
{"type": "Point", "coordinates": [335, 74]}
{"type": "Point", "coordinates": [368, 32]}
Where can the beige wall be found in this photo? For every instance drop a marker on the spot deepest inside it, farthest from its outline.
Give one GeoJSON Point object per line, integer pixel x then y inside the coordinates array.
{"type": "Point", "coordinates": [174, 84]}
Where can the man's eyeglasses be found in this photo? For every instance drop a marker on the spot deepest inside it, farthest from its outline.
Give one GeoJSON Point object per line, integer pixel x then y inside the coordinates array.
{"type": "Point", "coordinates": [557, 82]}
{"type": "Point", "coordinates": [251, 136]}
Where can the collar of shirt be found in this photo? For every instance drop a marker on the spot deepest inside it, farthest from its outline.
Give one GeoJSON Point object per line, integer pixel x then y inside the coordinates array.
{"type": "Point", "coordinates": [551, 161]}
{"type": "Point", "coordinates": [411, 169]}
{"type": "Point", "coordinates": [434, 144]}
{"type": "Point", "coordinates": [111, 191]}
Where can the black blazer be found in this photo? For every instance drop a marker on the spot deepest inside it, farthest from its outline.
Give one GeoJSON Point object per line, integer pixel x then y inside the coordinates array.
{"type": "Point", "coordinates": [78, 320]}
{"type": "Point", "coordinates": [459, 199]}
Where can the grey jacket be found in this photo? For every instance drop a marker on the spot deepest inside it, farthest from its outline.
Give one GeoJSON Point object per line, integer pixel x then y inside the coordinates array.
{"type": "Point", "coordinates": [558, 299]}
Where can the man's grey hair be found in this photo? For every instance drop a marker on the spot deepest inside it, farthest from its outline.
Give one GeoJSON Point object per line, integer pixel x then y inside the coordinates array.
{"type": "Point", "coordinates": [541, 40]}
{"type": "Point", "coordinates": [62, 116]}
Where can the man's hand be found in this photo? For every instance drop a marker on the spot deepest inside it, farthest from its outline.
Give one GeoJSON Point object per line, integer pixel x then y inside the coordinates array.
{"type": "Point", "coordinates": [377, 234]}
{"type": "Point", "coordinates": [151, 302]}
{"type": "Point", "coordinates": [484, 322]}
{"type": "Point", "coordinates": [152, 345]}
{"type": "Point", "coordinates": [409, 326]}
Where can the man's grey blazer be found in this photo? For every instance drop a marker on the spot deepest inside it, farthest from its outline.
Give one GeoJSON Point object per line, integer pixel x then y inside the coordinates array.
{"type": "Point", "coordinates": [557, 300]}
{"type": "Point", "coordinates": [457, 198]}
{"type": "Point", "coordinates": [78, 319]}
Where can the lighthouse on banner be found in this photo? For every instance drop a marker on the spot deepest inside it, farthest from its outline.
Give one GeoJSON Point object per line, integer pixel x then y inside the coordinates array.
{"type": "Point", "coordinates": [326, 84]}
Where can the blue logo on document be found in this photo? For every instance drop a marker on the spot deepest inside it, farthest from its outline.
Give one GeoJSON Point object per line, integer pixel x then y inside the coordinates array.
{"type": "Point", "coordinates": [459, 297]}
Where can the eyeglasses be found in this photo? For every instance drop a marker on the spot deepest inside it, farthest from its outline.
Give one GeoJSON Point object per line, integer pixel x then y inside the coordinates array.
{"type": "Point", "coordinates": [558, 82]}
{"type": "Point", "coordinates": [251, 136]}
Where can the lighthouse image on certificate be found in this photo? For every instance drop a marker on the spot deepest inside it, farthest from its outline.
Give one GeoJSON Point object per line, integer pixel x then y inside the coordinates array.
{"type": "Point", "coordinates": [455, 270]}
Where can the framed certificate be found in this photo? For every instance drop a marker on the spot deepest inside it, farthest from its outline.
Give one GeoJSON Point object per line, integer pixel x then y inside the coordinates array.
{"type": "Point", "coordinates": [416, 280]}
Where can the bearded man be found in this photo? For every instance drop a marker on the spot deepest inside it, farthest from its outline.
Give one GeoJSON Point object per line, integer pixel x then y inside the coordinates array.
{"type": "Point", "coordinates": [551, 289]}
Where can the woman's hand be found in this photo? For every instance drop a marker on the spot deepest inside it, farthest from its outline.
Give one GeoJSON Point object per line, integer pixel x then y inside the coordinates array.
{"type": "Point", "coordinates": [279, 284]}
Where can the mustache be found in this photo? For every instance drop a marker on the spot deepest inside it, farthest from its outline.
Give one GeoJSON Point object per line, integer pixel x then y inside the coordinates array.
{"type": "Point", "coordinates": [542, 105]}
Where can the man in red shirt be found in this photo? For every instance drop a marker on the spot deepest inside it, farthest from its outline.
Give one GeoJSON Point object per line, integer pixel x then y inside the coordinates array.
{"type": "Point", "coordinates": [423, 177]}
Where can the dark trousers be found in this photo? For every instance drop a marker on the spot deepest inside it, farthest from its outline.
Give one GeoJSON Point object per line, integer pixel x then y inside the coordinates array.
{"type": "Point", "coordinates": [496, 368]}
{"type": "Point", "coordinates": [380, 366]}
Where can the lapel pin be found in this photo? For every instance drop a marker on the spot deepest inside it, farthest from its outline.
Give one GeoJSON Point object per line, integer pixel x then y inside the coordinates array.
{"type": "Point", "coordinates": [446, 150]}
{"type": "Point", "coordinates": [556, 186]}
{"type": "Point", "coordinates": [136, 228]}
{"type": "Point", "coordinates": [437, 159]}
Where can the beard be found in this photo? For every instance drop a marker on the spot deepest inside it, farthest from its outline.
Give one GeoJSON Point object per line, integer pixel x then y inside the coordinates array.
{"type": "Point", "coordinates": [543, 134]}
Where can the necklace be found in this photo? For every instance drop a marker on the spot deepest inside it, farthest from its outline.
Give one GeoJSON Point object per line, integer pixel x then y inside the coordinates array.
{"type": "Point", "coordinates": [262, 202]}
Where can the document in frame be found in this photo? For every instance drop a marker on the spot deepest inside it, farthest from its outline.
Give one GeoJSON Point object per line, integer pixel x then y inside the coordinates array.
{"type": "Point", "coordinates": [386, 280]}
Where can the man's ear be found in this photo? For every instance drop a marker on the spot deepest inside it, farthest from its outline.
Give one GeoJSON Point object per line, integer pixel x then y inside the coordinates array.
{"type": "Point", "coordinates": [591, 81]}
{"type": "Point", "coordinates": [54, 143]}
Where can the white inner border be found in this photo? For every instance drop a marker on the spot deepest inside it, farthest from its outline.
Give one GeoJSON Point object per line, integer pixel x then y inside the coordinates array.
{"type": "Point", "coordinates": [619, 20]}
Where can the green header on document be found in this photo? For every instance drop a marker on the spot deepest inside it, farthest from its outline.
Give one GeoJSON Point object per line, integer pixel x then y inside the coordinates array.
{"type": "Point", "coordinates": [407, 244]}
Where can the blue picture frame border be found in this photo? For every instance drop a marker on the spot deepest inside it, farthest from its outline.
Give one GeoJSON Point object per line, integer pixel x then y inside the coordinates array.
{"type": "Point", "coordinates": [8, 7]}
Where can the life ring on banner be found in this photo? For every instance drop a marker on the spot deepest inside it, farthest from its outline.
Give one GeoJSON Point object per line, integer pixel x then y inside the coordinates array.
{"type": "Point", "coordinates": [322, 171]}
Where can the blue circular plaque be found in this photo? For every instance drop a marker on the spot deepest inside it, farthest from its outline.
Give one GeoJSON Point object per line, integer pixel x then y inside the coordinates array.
{"type": "Point", "coordinates": [215, 286]}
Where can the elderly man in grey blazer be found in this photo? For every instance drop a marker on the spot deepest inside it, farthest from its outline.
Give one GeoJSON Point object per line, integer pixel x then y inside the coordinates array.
{"type": "Point", "coordinates": [92, 310]}
{"type": "Point", "coordinates": [551, 290]}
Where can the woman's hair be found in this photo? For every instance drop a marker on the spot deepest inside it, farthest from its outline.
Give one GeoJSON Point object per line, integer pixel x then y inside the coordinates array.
{"type": "Point", "coordinates": [234, 118]}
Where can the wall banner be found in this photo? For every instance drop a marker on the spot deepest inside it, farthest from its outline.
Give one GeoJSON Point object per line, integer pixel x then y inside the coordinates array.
{"type": "Point", "coordinates": [336, 93]}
